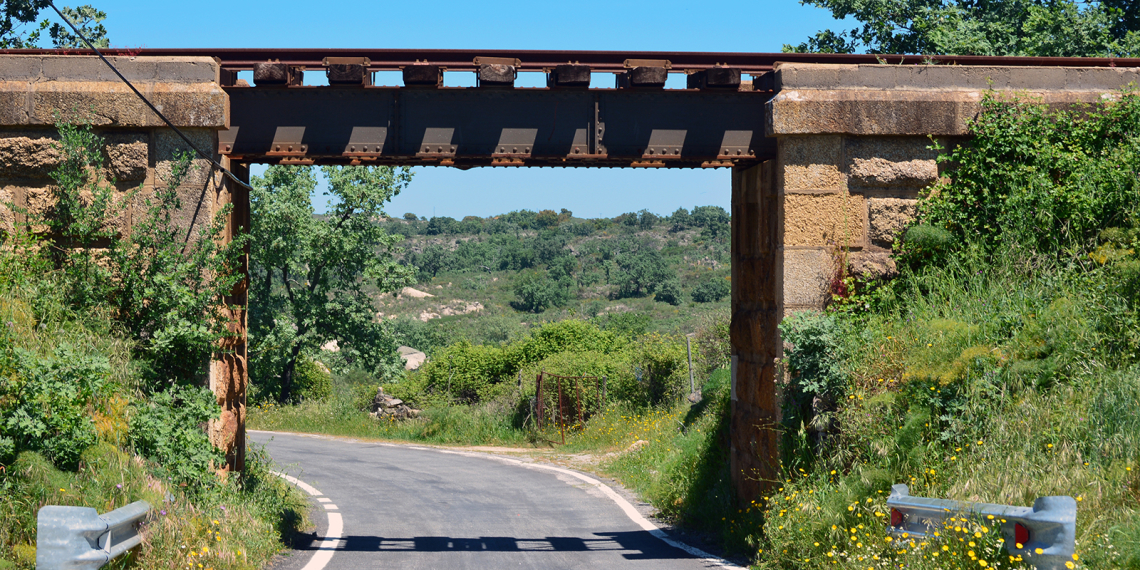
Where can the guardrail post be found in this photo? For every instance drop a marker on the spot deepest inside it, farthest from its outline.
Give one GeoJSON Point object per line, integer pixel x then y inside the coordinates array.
{"type": "Point", "coordinates": [81, 538]}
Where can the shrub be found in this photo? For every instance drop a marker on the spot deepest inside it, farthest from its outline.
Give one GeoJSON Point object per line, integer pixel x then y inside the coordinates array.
{"type": "Point", "coordinates": [312, 381]}
{"type": "Point", "coordinates": [171, 430]}
{"type": "Point", "coordinates": [670, 292]}
{"type": "Point", "coordinates": [45, 403]}
{"type": "Point", "coordinates": [711, 290]}
{"type": "Point", "coordinates": [1041, 181]}
{"type": "Point", "coordinates": [537, 292]}
{"type": "Point", "coordinates": [817, 380]}
{"type": "Point", "coordinates": [711, 342]}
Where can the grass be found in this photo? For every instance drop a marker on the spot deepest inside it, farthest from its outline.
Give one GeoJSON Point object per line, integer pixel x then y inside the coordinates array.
{"type": "Point", "coordinates": [239, 523]}
{"type": "Point", "coordinates": [490, 423]}
{"type": "Point", "coordinates": [989, 385]}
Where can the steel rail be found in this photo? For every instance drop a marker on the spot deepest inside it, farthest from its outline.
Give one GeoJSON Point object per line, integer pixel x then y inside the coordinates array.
{"type": "Point", "coordinates": [239, 59]}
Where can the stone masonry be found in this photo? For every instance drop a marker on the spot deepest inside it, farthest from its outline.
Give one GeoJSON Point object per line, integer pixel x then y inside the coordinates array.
{"type": "Point", "coordinates": [853, 156]}
{"type": "Point", "coordinates": [36, 91]}
{"type": "Point", "coordinates": [854, 153]}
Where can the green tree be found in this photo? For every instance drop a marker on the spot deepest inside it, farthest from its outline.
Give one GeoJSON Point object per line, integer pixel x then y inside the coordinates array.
{"type": "Point", "coordinates": [537, 291]}
{"type": "Point", "coordinates": [711, 290]}
{"type": "Point", "coordinates": [546, 219]}
{"type": "Point", "coordinates": [646, 219]}
{"type": "Point", "coordinates": [713, 221]}
{"type": "Point", "coordinates": [309, 274]}
{"type": "Point", "coordinates": [17, 13]}
{"type": "Point", "coordinates": [1057, 28]}
{"type": "Point", "coordinates": [670, 292]}
{"type": "Point", "coordinates": [431, 261]}
{"type": "Point", "coordinates": [641, 272]}
{"type": "Point", "coordinates": [681, 220]}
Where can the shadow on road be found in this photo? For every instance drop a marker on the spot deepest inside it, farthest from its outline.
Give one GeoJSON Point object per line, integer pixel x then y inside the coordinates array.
{"type": "Point", "coordinates": [637, 545]}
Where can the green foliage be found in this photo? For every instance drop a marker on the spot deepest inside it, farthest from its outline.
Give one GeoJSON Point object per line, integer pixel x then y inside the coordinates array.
{"type": "Point", "coordinates": [89, 22]}
{"type": "Point", "coordinates": [711, 289]}
{"type": "Point", "coordinates": [641, 272]}
{"type": "Point", "coordinates": [417, 334]}
{"type": "Point", "coordinates": [1029, 167]}
{"type": "Point", "coordinates": [546, 219]}
{"type": "Point", "coordinates": [1058, 28]}
{"type": "Point", "coordinates": [537, 291]}
{"type": "Point", "coordinates": [170, 429]}
{"type": "Point", "coordinates": [162, 288]}
{"type": "Point", "coordinates": [817, 380]}
{"type": "Point", "coordinates": [631, 324]}
{"type": "Point", "coordinates": [670, 292]}
{"type": "Point", "coordinates": [713, 221]}
{"type": "Point", "coordinates": [17, 13]}
{"type": "Point", "coordinates": [312, 381]}
{"type": "Point", "coordinates": [308, 274]}
{"type": "Point", "coordinates": [45, 402]}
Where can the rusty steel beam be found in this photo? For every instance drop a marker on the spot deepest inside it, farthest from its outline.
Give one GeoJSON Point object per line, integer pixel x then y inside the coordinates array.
{"type": "Point", "coordinates": [599, 61]}
{"type": "Point", "coordinates": [494, 127]}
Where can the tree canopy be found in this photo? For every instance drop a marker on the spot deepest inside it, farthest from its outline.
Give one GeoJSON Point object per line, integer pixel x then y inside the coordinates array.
{"type": "Point", "coordinates": [1048, 28]}
{"type": "Point", "coordinates": [311, 275]}
{"type": "Point", "coordinates": [16, 14]}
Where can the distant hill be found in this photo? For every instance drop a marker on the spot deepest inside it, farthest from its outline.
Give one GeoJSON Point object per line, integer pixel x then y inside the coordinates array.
{"type": "Point", "coordinates": [487, 279]}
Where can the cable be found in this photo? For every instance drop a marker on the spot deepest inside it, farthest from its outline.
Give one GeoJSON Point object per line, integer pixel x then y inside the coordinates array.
{"type": "Point", "coordinates": [208, 157]}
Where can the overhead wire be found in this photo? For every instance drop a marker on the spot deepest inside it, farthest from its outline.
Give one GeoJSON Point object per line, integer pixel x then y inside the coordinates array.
{"type": "Point", "coordinates": [185, 138]}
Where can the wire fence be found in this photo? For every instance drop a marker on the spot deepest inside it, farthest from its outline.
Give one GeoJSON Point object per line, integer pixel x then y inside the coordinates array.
{"type": "Point", "coordinates": [573, 400]}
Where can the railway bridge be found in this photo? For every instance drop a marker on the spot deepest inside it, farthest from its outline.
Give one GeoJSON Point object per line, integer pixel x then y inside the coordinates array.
{"type": "Point", "coordinates": [826, 151]}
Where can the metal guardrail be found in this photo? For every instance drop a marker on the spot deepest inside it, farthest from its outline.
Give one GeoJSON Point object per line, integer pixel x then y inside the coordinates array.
{"type": "Point", "coordinates": [81, 538]}
{"type": "Point", "coordinates": [1049, 526]}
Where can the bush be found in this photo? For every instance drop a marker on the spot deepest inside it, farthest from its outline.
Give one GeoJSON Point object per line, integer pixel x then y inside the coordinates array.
{"type": "Point", "coordinates": [537, 292]}
{"type": "Point", "coordinates": [171, 430]}
{"type": "Point", "coordinates": [711, 290]}
{"type": "Point", "coordinates": [311, 381]}
{"type": "Point", "coordinates": [1040, 181]}
{"type": "Point", "coordinates": [817, 380]}
{"type": "Point", "coordinates": [670, 292]}
{"type": "Point", "coordinates": [45, 403]}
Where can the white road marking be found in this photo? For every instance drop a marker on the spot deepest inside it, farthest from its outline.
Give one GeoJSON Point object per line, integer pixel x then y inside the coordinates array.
{"type": "Point", "coordinates": [620, 501]}
{"type": "Point", "coordinates": [303, 485]}
{"type": "Point", "coordinates": [330, 507]}
{"type": "Point", "coordinates": [328, 546]}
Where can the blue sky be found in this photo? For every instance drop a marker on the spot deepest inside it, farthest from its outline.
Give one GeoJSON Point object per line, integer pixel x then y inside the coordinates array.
{"type": "Point", "coordinates": [665, 25]}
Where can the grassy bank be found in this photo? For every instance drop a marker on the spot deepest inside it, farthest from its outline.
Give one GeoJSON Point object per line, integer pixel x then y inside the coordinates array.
{"type": "Point", "coordinates": [69, 383]}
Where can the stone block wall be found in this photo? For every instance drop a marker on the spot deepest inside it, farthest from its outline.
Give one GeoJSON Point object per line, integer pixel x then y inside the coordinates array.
{"type": "Point", "coordinates": [36, 91]}
{"type": "Point", "coordinates": [844, 199]}
{"type": "Point", "coordinates": [854, 153]}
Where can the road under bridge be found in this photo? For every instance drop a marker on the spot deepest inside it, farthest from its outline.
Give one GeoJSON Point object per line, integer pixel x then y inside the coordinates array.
{"type": "Point", "coordinates": [826, 152]}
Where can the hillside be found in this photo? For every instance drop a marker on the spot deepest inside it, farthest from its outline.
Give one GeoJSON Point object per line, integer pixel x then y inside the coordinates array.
{"type": "Point", "coordinates": [488, 280]}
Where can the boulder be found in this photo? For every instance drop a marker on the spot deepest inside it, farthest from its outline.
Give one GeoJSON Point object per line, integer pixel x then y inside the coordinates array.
{"type": "Point", "coordinates": [385, 407]}
{"type": "Point", "coordinates": [412, 358]}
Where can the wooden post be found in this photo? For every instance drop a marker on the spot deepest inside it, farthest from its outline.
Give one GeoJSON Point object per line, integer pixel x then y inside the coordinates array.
{"type": "Point", "coordinates": [757, 290]}
{"type": "Point", "coordinates": [539, 403]}
{"type": "Point", "coordinates": [561, 412]}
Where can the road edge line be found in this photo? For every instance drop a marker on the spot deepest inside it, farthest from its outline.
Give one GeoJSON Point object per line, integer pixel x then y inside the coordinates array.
{"type": "Point", "coordinates": [327, 548]}
{"type": "Point", "coordinates": [620, 501]}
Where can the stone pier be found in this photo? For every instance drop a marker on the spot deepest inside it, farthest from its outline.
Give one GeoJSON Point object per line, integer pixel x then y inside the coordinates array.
{"type": "Point", "coordinates": [36, 91]}
{"type": "Point", "coordinates": [854, 152]}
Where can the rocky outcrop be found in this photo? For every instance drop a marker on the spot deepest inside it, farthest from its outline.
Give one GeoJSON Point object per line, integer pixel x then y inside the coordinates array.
{"type": "Point", "coordinates": [412, 358]}
{"type": "Point", "coordinates": [385, 407]}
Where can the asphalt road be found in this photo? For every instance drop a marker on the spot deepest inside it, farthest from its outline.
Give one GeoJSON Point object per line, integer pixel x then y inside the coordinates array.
{"type": "Point", "coordinates": [406, 507]}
